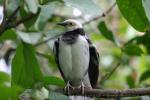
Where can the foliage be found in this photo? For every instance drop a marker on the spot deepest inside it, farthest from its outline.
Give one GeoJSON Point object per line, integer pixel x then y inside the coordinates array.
{"type": "Point", "coordinates": [30, 28]}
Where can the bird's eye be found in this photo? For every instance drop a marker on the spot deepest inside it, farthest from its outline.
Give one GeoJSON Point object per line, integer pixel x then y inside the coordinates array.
{"type": "Point", "coordinates": [70, 24]}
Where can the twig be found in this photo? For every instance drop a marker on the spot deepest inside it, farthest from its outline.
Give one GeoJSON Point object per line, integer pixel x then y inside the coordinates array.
{"type": "Point", "coordinates": [107, 76]}
{"type": "Point", "coordinates": [24, 20]}
{"type": "Point", "coordinates": [11, 17]}
{"type": "Point", "coordinates": [111, 93]}
{"type": "Point", "coordinates": [9, 25]}
{"type": "Point", "coordinates": [6, 24]}
{"type": "Point", "coordinates": [103, 15]}
{"type": "Point", "coordinates": [44, 41]}
{"type": "Point", "coordinates": [95, 18]}
{"type": "Point", "coordinates": [4, 12]}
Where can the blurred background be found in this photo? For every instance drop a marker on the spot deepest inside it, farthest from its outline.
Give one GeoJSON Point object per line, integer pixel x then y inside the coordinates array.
{"type": "Point", "coordinates": [124, 61]}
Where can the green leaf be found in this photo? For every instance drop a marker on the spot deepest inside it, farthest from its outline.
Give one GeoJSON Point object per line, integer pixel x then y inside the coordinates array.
{"type": "Point", "coordinates": [5, 92]}
{"type": "Point", "coordinates": [52, 80]}
{"type": "Point", "coordinates": [4, 77]}
{"type": "Point", "coordinates": [146, 5]}
{"type": "Point", "coordinates": [86, 6]}
{"type": "Point", "coordinates": [107, 33]}
{"type": "Point", "coordinates": [15, 92]}
{"type": "Point", "coordinates": [8, 35]}
{"type": "Point", "coordinates": [30, 37]}
{"type": "Point", "coordinates": [45, 14]}
{"type": "Point", "coordinates": [25, 67]}
{"type": "Point", "coordinates": [32, 5]}
{"type": "Point", "coordinates": [12, 5]}
{"type": "Point", "coordinates": [145, 75]}
{"type": "Point", "coordinates": [96, 37]}
{"type": "Point", "coordinates": [144, 40]}
{"type": "Point", "coordinates": [57, 96]}
{"type": "Point", "coordinates": [29, 25]}
{"type": "Point", "coordinates": [130, 81]}
{"type": "Point", "coordinates": [134, 13]}
{"type": "Point", "coordinates": [132, 50]}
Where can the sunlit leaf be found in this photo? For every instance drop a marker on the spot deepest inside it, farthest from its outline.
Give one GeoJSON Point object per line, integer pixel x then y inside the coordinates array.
{"type": "Point", "coordinates": [32, 5]}
{"type": "Point", "coordinates": [30, 37]}
{"type": "Point", "coordinates": [57, 96]}
{"type": "Point", "coordinates": [35, 93]}
{"type": "Point", "coordinates": [40, 94]}
{"type": "Point", "coordinates": [51, 80]}
{"type": "Point", "coordinates": [145, 75]}
{"type": "Point", "coordinates": [146, 5]}
{"type": "Point", "coordinates": [107, 33]}
{"type": "Point", "coordinates": [145, 40]}
{"type": "Point", "coordinates": [25, 68]}
{"type": "Point", "coordinates": [134, 13]}
{"type": "Point", "coordinates": [86, 6]}
{"type": "Point", "coordinates": [96, 37]}
{"type": "Point", "coordinates": [132, 50]}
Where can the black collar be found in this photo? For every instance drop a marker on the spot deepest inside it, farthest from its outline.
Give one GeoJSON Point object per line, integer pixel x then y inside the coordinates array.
{"type": "Point", "coordinates": [76, 31]}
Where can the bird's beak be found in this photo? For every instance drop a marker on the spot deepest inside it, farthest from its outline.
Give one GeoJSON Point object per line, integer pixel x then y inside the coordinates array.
{"type": "Point", "coordinates": [62, 24]}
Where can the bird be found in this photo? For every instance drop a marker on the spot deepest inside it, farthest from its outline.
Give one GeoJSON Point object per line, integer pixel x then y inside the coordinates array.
{"type": "Point", "coordinates": [76, 56]}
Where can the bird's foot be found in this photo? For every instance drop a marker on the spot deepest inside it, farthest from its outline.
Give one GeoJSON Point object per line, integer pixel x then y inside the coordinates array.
{"type": "Point", "coordinates": [82, 88]}
{"type": "Point", "coordinates": [67, 88]}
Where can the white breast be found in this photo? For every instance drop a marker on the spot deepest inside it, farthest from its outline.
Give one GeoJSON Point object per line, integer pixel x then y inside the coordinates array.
{"type": "Point", "coordinates": [74, 59]}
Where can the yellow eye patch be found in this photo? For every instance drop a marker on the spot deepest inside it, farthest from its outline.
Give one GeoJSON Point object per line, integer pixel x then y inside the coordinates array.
{"type": "Point", "coordinates": [70, 24]}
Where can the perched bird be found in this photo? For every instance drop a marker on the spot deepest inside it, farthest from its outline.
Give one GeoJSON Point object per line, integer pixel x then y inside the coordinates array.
{"type": "Point", "coordinates": [76, 57]}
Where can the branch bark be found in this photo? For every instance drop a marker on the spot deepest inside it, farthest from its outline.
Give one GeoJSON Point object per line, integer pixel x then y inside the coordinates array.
{"type": "Point", "coordinates": [7, 24]}
{"type": "Point", "coordinates": [112, 93]}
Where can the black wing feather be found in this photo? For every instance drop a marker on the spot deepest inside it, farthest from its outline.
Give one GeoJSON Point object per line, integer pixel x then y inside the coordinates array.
{"type": "Point", "coordinates": [93, 70]}
{"type": "Point", "coordinates": [56, 52]}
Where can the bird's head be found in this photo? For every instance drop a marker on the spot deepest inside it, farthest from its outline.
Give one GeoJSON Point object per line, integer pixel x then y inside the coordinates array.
{"type": "Point", "coordinates": [70, 24]}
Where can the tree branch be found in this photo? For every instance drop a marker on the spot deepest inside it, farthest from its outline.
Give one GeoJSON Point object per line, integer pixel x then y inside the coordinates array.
{"type": "Point", "coordinates": [9, 24]}
{"type": "Point", "coordinates": [112, 93]}
{"type": "Point", "coordinates": [4, 12]}
{"type": "Point", "coordinates": [46, 40]}
{"type": "Point", "coordinates": [103, 15]}
{"type": "Point", "coordinates": [11, 17]}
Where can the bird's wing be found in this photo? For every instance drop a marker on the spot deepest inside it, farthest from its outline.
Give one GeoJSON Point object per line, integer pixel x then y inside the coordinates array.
{"type": "Point", "coordinates": [93, 70]}
{"type": "Point", "coordinates": [56, 53]}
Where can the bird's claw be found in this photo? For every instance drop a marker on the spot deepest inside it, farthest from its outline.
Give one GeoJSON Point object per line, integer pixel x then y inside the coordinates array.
{"type": "Point", "coordinates": [82, 88]}
{"type": "Point", "coordinates": [67, 88]}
